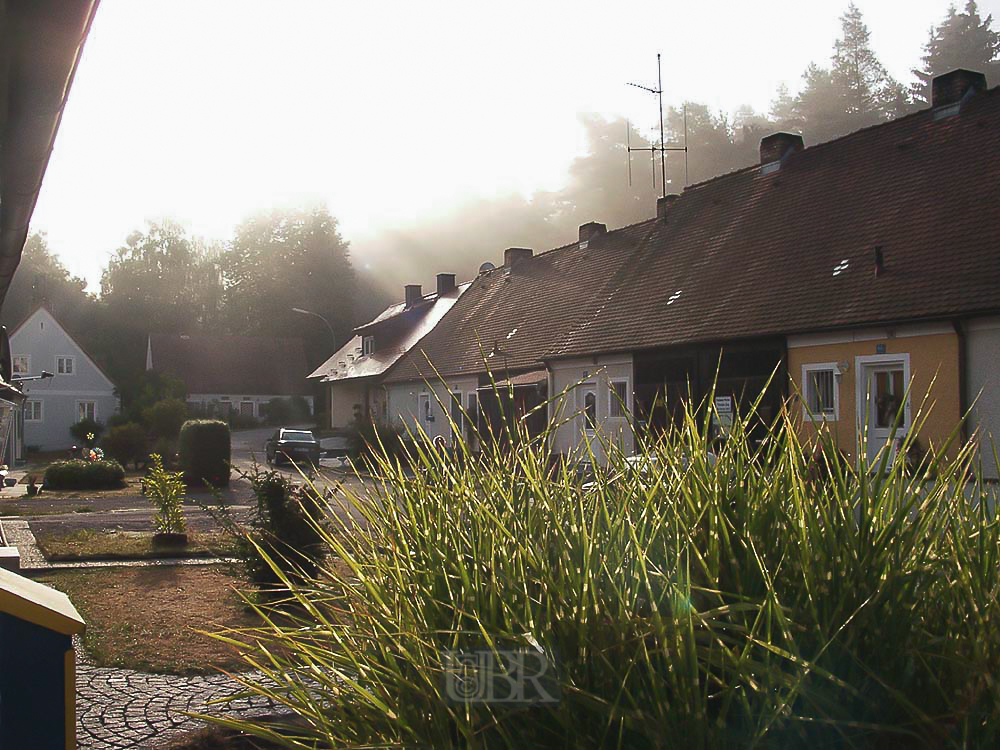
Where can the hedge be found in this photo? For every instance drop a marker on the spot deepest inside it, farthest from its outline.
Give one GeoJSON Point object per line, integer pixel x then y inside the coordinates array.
{"type": "Point", "coordinates": [204, 449]}
{"type": "Point", "coordinates": [84, 475]}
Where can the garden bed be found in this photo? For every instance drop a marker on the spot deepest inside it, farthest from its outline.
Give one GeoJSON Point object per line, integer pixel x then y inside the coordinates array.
{"type": "Point", "coordinates": [145, 618]}
{"type": "Point", "coordinates": [128, 545]}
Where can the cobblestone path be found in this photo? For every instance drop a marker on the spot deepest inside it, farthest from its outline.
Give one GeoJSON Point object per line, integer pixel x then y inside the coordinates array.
{"type": "Point", "coordinates": [121, 708]}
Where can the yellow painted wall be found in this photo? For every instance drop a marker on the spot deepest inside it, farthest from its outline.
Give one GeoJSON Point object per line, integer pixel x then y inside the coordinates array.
{"type": "Point", "coordinates": [930, 355]}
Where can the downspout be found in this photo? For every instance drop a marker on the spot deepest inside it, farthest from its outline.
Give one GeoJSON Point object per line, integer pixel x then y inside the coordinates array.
{"type": "Point", "coordinates": [963, 385]}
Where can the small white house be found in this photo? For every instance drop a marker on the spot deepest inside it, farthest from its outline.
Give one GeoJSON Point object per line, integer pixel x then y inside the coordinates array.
{"type": "Point", "coordinates": [78, 388]}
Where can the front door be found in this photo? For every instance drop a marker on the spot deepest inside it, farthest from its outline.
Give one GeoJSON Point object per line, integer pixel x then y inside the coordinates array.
{"type": "Point", "coordinates": [883, 411]}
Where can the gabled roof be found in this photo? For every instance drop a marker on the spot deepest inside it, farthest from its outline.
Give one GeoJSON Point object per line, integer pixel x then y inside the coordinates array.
{"type": "Point", "coordinates": [397, 330]}
{"type": "Point", "coordinates": [251, 365]}
{"type": "Point", "coordinates": [42, 308]}
{"type": "Point", "coordinates": [521, 311]}
{"type": "Point", "coordinates": [751, 254]}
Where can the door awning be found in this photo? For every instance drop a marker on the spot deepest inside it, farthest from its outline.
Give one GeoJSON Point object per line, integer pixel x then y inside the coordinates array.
{"type": "Point", "coordinates": [524, 380]}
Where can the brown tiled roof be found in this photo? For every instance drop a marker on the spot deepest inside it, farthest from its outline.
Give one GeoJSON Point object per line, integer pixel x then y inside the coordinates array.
{"type": "Point", "coordinates": [249, 365]}
{"type": "Point", "coordinates": [751, 254]}
{"type": "Point", "coordinates": [521, 311]}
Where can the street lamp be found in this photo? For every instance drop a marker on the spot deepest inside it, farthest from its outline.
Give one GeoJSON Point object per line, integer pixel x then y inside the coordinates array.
{"type": "Point", "coordinates": [326, 322]}
{"type": "Point", "coordinates": [22, 378]}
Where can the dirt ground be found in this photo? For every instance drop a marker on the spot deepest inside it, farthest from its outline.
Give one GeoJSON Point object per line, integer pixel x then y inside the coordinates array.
{"type": "Point", "coordinates": [145, 618]}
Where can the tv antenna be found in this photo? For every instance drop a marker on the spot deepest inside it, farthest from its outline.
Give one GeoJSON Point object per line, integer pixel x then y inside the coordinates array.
{"type": "Point", "coordinates": [662, 148]}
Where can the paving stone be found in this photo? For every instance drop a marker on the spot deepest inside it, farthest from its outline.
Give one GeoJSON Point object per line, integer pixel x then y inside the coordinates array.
{"type": "Point", "coordinates": [122, 708]}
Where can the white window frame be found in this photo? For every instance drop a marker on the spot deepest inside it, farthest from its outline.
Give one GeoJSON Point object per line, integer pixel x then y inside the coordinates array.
{"type": "Point", "coordinates": [626, 402]}
{"type": "Point", "coordinates": [41, 410]}
{"type": "Point", "coordinates": [60, 359]}
{"type": "Point", "coordinates": [367, 345]}
{"type": "Point", "coordinates": [861, 393]}
{"type": "Point", "coordinates": [83, 401]}
{"type": "Point", "coordinates": [27, 364]}
{"type": "Point", "coordinates": [821, 367]}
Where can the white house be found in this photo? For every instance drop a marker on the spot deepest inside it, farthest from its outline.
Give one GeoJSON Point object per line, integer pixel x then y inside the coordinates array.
{"type": "Point", "coordinates": [78, 388]}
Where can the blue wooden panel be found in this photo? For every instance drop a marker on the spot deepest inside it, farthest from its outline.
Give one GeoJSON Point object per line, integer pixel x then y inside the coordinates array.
{"type": "Point", "coordinates": [32, 690]}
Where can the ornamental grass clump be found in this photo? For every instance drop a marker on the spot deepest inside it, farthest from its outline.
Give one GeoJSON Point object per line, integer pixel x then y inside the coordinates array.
{"type": "Point", "coordinates": [771, 595]}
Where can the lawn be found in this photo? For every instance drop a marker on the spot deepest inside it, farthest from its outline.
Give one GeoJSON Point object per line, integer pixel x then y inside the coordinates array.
{"type": "Point", "coordinates": [87, 544]}
{"type": "Point", "coordinates": [145, 618]}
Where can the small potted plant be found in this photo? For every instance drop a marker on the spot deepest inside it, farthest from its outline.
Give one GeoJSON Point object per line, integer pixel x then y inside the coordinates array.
{"type": "Point", "coordinates": [165, 490]}
{"type": "Point", "coordinates": [32, 489]}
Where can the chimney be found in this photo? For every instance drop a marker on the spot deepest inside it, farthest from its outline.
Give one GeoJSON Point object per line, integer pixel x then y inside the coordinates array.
{"type": "Point", "coordinates": [953, 86]}
{"type": "Point", "coordinates": [663, 204]}
{"type": "Point", "coordinates": [514, 255]}
{"type": "Point", "coordinates": [777, 146]}
{"type": "Point", "coordinates": [445, 283]}
{"type": "Point", "coordinates": [589, 231]}
{"type": "Point", "coordinates": [413, 294]}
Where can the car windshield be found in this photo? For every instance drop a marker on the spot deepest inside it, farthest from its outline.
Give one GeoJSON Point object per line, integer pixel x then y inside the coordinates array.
{"type": "Point", "coordinates": [297, 435]}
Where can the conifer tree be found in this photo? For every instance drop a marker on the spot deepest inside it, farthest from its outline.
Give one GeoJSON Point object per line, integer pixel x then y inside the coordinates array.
{"type": "Point", "coordinates": [962, 40]}
{"type": "Point", "coordinates": [868, 93]}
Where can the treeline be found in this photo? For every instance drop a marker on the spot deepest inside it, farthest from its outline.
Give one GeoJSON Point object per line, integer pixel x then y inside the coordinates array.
{"type": "Point", "coordinates": [162, 280]}
{"type": "Point", "coordinates": [851, 91]}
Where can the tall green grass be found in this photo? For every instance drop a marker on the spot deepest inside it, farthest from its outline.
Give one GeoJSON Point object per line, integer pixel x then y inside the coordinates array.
{"type": "Point", "coordinates": [776, 597]}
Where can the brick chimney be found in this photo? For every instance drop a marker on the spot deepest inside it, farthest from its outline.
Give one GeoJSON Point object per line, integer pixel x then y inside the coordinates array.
{"type": "Point", "coordinates": [951, 87]}
{"type": "Point", "coordinates": [590, 230]}
{"type": "Point", "coordinates": [514, 255]}
{"type": "Point", "coordinates": [663, 204]}
{"type": "Point", "coordinates": [777, 146]}
{"type": "Point", "coordinates": [445, 283]}
{"type": "Point", "coordinates": [413, 294]}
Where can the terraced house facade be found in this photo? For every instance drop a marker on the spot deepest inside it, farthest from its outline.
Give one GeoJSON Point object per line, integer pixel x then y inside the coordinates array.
{"type": "Point", "coordinates": [835, 275]}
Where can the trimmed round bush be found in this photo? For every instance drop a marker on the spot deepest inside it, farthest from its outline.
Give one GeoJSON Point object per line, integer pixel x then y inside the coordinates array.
{"type": "Point", "coordinates": [204, 449]}
{"type": "Point", "coordinates": [84, 475]}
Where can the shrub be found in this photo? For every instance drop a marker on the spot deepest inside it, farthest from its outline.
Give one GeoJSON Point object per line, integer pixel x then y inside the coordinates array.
{"type": "Point", "coordinates": [164, 418]}
{"type": "Point", "coordinates": [204, 451]}
{"type": "Point", "coordinates": [87, 432]}
{"type": "Point", "coordinates": [280, 527]}
{"type": "Point", "coordinates": [367, 439]}
{"type": "Point", "coordinates": [165, 491]}
{"type": "Point", "coordinates": [84, 475]}
{"type": "Point", "coordinates": [239, 421]}
{"type": "Point", "coordinates": [702, 601]}
{"type": "Point", "coordinates": [127, 444]}
{"type": "Point", "coordinates": [279, 411]}
{"type": "Point", "coordinates": [301, 411]}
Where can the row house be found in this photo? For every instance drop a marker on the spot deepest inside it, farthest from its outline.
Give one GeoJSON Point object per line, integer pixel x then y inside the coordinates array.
{"type": "Point", "coordinates": [836, 275]}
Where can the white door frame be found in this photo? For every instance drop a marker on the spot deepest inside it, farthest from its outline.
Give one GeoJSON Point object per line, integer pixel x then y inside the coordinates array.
{"type": "Point", "coordinates": [863, 367]}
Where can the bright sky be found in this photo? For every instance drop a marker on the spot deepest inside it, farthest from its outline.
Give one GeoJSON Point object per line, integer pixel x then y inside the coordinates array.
{"type": "Point", "coordinates": [205, 111]}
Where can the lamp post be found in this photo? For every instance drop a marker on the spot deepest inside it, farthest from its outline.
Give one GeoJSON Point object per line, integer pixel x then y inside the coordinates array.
{"type": "Point", "coordinates": [333, 336]}
{"type": "Point", "coordinates": [333, 339]}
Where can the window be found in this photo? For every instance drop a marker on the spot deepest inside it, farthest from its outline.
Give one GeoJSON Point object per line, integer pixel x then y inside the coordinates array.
{"type": "Point", "coordinates": [617, 398]}
{"type": "Point", "coordinates": [473, 409]}
{"type": "Point", "coordinates": [32, 411]}
{"type": "Point", "coordinates": [21, 364]}
{"type": "Point", "coordinates": [367, 345]}
{"type": "Point", "coordinates": [456, 413]}
{"type": "Point", "coordinates": [821, 393]}
{"type": "Point", "coordinates": [86, 410]}
{"type": "Point", "coordinates": [65, 365]}
{"type": "Point", "coordinates": [586, 402]}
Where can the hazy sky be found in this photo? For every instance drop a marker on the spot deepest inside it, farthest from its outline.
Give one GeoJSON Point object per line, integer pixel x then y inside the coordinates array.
{"type": "Point", "coordinates": [206, 111]}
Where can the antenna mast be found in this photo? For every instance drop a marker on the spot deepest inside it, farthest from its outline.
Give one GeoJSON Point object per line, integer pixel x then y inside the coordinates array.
{"type": "Point", "coordinates": [662, 148]}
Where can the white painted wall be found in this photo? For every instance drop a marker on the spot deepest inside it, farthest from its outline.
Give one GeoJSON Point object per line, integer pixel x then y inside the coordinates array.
{"type": "Point", "coordinates": [566, 405]}
{"type": "Point", "coordinates": [42, 340]}
{"type": "Point", "coordinates": [404, 402]}
{"type": "Point", "coordinates": [204, 399]}
{"type": "Point", "coordinates": [344, 395]}
{"type": "Point", "coordinates": [983, 381]}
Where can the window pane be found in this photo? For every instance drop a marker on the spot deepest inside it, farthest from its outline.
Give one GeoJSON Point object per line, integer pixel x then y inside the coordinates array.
{"type": "Point", "coordinates": [590, 409]}
{"type": "Point", "coordinates": [619, 394]}
{"type": "Point", "coordinates": [456, 410]}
